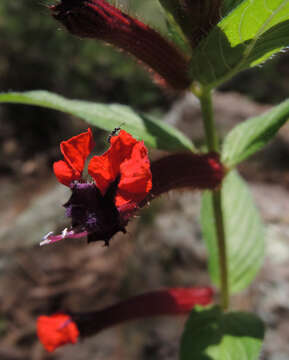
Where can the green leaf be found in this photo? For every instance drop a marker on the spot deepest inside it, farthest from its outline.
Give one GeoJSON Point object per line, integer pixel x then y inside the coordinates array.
{"type": "Point", "coordinates": [243, 230]}
{"type": "Point", "coordinates": [250, 34]}
{"type": "Point", "coordinates": [212, 335]}
{"type": "Point", "coordinates": [153, 132]}
{"type": "Point", "coordinates": [253, 134]}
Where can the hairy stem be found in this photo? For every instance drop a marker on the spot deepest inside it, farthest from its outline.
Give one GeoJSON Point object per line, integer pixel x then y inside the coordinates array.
{"type": "Point", "coordinates": [205, 98]}
{"type": "Point", "coordinates": [208, 121]}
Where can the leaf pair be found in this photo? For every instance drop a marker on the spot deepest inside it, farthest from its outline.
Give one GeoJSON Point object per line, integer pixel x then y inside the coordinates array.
{"type": "Point", "coordinates": [212, 335]}
{"type": "Point", "coordinates": [250, 33]}
{"type": "Point", "coordinates": [243, 227]}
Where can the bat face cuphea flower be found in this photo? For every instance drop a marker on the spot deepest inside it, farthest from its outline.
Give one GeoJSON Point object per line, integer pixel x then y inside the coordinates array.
{"type": "Point", "coordinates": [121, 179]}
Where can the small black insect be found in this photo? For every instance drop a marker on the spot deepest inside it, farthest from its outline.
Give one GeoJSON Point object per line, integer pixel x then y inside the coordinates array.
{"type": "Point", "coordinates": [114, 132]}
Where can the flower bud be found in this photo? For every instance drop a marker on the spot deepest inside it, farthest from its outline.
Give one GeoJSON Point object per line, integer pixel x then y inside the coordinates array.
{"type": "Point", "coordinates": [60, 329]}
{"type": "Point", "coordinates": [166, 302]}
{"type": "Point", "coordinates": [98, 19]}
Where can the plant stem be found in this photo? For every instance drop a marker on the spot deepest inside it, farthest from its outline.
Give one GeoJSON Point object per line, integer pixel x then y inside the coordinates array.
{"type": "Point", "coordinates": [205, 98]}
{"type": "Point", "coordinates": [208, 121]}
{"type": "Point", "coordinates": [221, 238]}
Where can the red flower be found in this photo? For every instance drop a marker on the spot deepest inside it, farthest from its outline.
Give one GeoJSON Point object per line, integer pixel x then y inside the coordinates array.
{"type": "Point", "coordinates": [122, 178]}
{"type": "Point", "coordinates": [126, 159]}
{"type": "Point", "coordinates": [123, 182]}
{"type": "Point", "coordinates": [60, 329]}
{"type": "Point", "coordinates": [56, 330]}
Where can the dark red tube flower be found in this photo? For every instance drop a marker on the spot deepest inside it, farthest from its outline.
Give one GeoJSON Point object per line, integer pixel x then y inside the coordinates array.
{"type": "Point", "coordinates": [100, 20]}
{"type": "Point", "coordinates": [60, 329]}
{"type": "Point", "coordinates": [56, 330]}
{"type": "Point", "coordinates": [122, 178]}
{"type": "Point", "coordinates": [186, 170]}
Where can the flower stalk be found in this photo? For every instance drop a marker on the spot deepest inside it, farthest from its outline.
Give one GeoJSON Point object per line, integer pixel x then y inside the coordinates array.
{"type": "Point", "coordinates": [212, 142]}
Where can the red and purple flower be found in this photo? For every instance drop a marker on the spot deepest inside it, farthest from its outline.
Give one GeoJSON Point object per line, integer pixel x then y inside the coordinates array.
{"type": "Point", "coordinates": [121, 179]}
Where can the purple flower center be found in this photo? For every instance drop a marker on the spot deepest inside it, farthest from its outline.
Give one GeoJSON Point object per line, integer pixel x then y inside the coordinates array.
{"type": "Point", "coordinates": [90, 211]}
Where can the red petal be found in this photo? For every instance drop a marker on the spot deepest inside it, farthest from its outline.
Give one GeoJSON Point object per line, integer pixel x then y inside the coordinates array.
{"type": "Point", "coordinates": [56, 330]}
{"type": "Point", "coordinates": [100, 168]}
{"type": "Point", "coordinates": [64, 173]}
{"type": "Point", "coordinates": [127, 159]}
{"type": "Point", "coordinates": [75, 152]}
{"type": "Point", "coordinates": [105, 169]}
{"type": "Point", "coordinates": [77, 149]}
{"type": "Point", "coordinates": [135, 177]}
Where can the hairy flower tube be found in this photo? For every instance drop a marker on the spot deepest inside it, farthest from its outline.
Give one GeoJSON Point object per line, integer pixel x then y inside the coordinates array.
{"type": "Point", "coordinates": [123, 182]}
{"type": "Point", "coordinates": [100, 20]}
{"type": "Point", "coordinates": [60, 329]}
{"type": "Point", "coordinates": [121, 178]}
